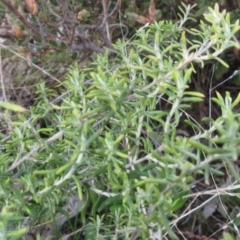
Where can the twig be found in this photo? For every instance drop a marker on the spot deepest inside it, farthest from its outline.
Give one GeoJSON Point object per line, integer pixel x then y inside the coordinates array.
{"type": "Point", "coordinates": [32, 64]}
{"type": "Point", "coordinates": [86, 44]}
{"type": "Point", "coordinates": [67, 17]}
{"type": "Point", "coordinates": [9, 36]}
{"type": "Point", "coordinates": [196, 56]}
{"type": "Point", "coordinates": [105, 22]}
{"type": "Point", "coordinates": [20, 16]}
{"type": "Point", "coordinates": [105, 38]}
{"type": "Point", "coordinates": [34, 150]}
{"type": "Point", "coordinates": [1, 78]}
{"type": "Point", "coordinates": [41, 31]}
{"type": "Point", "coordinates": [53, 12]}
{"type": "Point", "coordinates": [116, 8]}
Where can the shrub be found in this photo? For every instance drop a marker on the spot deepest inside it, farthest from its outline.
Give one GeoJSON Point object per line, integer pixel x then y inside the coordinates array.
{"type": "Point", "coordinates": [106, 152]}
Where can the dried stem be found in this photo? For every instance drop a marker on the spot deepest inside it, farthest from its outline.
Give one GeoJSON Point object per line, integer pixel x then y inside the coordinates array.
{"type": "Point", "coordinates": [20, 16]}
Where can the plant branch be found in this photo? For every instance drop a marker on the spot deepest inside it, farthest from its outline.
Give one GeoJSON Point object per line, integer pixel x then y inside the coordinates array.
{"type": "Point", "coordinates": [34, 151]}
{"type": "Point", "coordinates": [20, 16]}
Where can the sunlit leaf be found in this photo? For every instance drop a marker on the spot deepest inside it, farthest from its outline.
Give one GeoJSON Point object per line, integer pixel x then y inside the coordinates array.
{"type": "Point", "coordinates": [12, 107]}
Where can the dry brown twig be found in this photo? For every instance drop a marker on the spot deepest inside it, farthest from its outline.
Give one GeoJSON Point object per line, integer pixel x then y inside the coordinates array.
{"type": "Point", "coordinates": [20, 17]}
{"type": "Point", "coordinates": [74, 38]}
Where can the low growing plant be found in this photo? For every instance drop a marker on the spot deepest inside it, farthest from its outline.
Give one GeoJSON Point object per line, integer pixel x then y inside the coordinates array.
{"type": "Point", "coordinates": [106, 152]}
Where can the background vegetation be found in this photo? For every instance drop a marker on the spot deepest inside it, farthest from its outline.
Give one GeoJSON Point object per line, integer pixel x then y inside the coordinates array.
{"type": "Point", "coordinates": [119, 120]}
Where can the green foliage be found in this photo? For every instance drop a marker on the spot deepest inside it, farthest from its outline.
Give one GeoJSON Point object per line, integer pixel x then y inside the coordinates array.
{"type": "Point", "coordinates": [106, 141]}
